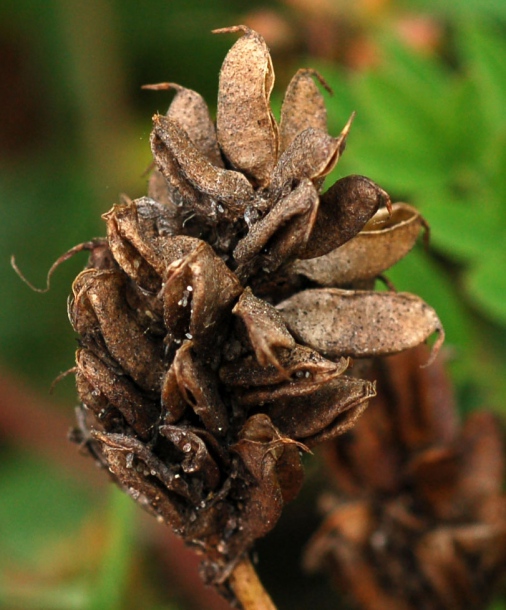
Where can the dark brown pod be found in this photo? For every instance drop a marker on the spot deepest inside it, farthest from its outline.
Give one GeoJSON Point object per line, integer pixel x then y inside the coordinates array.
{"type": "Point", "coordinates": [344, 210]}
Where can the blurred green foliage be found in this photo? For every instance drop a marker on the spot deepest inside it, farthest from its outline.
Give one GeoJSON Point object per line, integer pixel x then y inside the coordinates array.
{"type": "Point", "coordinates": [430, 128]}
{"type": "Point", "coordinates": [434, 133]}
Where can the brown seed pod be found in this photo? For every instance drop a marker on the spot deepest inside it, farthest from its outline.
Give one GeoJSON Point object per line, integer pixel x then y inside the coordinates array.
{"type": "Point", "coordinates": [313, 154]}
{"type": "Point", "coordinates": [383, 241]}
{"type": "Point", "coordinates": [344, 210]}
{"type": "Point", "coordinates": [282, 233]}
{"type": "Point", "coordinates": [246, 127]}
{"type": "Point", "coordinates": [226, 187]}
{"type": "Point", "coordinates": [102, 292]}
{"type": "Point", "coordinates": [189, 110]}
{"type": "Point", "coordinates": [106, 388]}
{"type": "Point", "coordinates": [303, 107]}
{"type": "Point", "coordinates": [420, 520]}
{"type": "Point", "coordinates": [360, 323]}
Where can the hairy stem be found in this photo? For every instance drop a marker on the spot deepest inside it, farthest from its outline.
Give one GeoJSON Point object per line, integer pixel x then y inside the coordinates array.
{"type": "Point", "coordinates": [248, 588]}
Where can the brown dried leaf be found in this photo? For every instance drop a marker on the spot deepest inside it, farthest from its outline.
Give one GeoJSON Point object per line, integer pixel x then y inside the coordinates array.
{"type": "Point", "coordinates": [341, 543]}
{"type": "Point", "coordinates": [265, 327]}
{"type": "Point", "coordinates": [425, 409]}
{"type": "Point", "coordinates": [370, 458]}
{"type": "Point", "coordinates": [173, 403]}
{"type": "Point", "coordinates": [247, 130]}
{"type": "Point", "coordinates": [314, 412]}
{"type": "Point", "coordinates": [199, 388]}
{"type": "Point", "coordinates": [482, 446]}
{"type": "Point", "coordinates": [434, 475]}
{"type": "Point", "coordinates": [138, 233]}
{"type": "Point", "coordinates": [145, 477]}
{"type": "Point", "coordinates": [413, 410]}
{"type": "Point", "coordinates": [384, 241]}
{"type": "Point", "coordinates": [127, 255]}
{"type": "Point", "coordinates": [344, 210]}
{"type": "Point", "coordinates": [360, 323]}
{"type": "Point", "coordinates": [440, 560]}
{"type": "Point", "coordinates": [274, 463]}
{"type": "Point", "coordinates": [298, 363]}
{"type": "Point", "coordinates": [303, 107]}
{"type": "Point", "coordinates": [221, 192]}
{"type": "Point", "coordinates": [179, 190]}
{"type": "Point", "coordinates": [159, 190]}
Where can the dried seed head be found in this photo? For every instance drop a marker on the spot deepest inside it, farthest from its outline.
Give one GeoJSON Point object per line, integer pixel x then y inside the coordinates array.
{"type": "Point", "coordinates": [421, 519]}
{"type": "Point", "coordinates": [199, 387]}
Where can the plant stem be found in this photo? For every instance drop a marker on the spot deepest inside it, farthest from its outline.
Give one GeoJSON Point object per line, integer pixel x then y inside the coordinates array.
{"type": "Point", "coordinates": [248, 588]}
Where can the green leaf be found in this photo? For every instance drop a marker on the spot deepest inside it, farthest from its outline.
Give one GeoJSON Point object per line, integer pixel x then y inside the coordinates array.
{"type": "Point", "coordinates": [486, 283]}
{"type": "Point", "coordinates": [464, 230]}
{"type": "Point", "coordinates": [39, 507]}
{"type": "Point", "coordinates": [112, 584]}
{"type": "Point", "coordinates": [484, 50]}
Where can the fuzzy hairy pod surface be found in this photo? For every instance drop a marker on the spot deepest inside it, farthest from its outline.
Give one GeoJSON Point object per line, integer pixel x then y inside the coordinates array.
{"type": "Point", "coordinates": [201, 375]}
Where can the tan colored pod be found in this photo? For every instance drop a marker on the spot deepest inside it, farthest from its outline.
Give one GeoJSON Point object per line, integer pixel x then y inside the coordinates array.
{"type": "Point", "coordinates": [313, 154]}
{"type": "Point", "coordinates": [189, 110]}
{"type": "Point", "coordinates": [384, 241]}
{"type": "Point", "coordinates": [360, 323]}
{"type": "Point", "coordinates": [303, 107]}
{"type": "Point", "coordinates": [247, 130]}
{"type": "Point", "coordinates": [228, 187]}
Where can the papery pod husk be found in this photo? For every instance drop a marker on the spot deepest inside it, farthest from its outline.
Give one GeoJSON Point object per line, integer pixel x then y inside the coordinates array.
{"type": "Point", "coordinates": [268, 240]}
{"type": "Point", "coordinates": [228, 187]}
{"type": "Point", "coordinates": [303, 107]}
{"type": "Point", "coordinates": [382, 242]}
{"type": "Point", "coordinates": [102, 294]}
{"type": "Point", "coordinates": [189, 110]}
{"type": "Point", "coordinates": [246, 128]}
{"type": "Point", "coordinates": [273, 461]}
{"type": "Point", "coordinates": [360, 323]}
{"type": "Point", "coordinates": [344, 210]}
{"type": "Point", "coordinates": [313, 154]}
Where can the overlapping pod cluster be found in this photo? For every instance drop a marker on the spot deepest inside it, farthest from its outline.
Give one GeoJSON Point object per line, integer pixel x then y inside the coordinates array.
{"type": "Point", "coordinates": [214, 335]}
{"type": "Point", "coordinates": [421, 519]}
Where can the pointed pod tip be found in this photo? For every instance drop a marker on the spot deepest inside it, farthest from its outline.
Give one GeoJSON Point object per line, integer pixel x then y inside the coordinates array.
{"type": "Point", "coordinates": [163, 87]}
{"type": "Point", "coordinates": [233, 29]}
{"type": "Point", "coordinates": [346, 129]}
{"type": "Point", "coordinates": [436, 347]}
{"type": "Point", "coordinates": [341, 138]}
{"type": "Point", "coordinates": [387, 202]}
{"type": "Point", "coordinates": [319, 78]}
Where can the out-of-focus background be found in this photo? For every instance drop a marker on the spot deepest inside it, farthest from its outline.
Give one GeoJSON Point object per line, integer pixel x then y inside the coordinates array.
{"type": "Point", "coordinates": [428, 82]}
